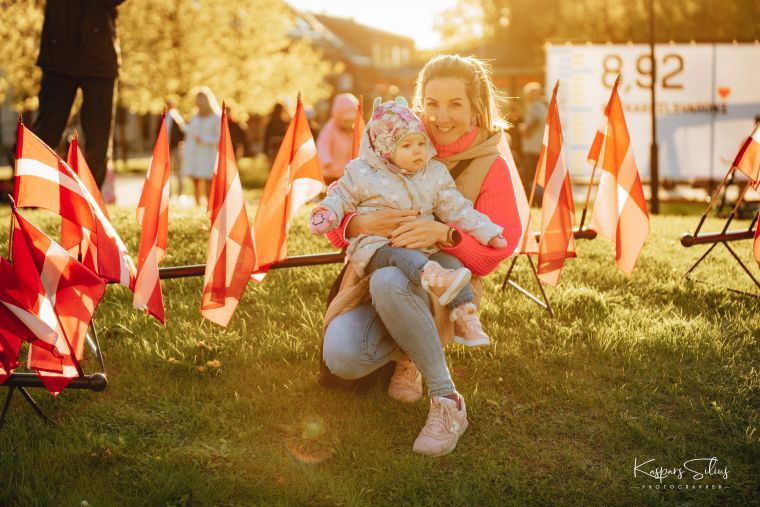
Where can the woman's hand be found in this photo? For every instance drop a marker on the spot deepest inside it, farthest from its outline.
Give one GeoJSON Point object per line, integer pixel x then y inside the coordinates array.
{"type": "Point", "coordinates": [379, 223]}
{"type": "Point", "coordinates": [419, 234]}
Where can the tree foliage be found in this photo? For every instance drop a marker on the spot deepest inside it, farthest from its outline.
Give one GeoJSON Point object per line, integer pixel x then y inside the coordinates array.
{"type": "Point", "coordinates": [238, 48]}
{"type": "Point", "coordinates": [516, 30]}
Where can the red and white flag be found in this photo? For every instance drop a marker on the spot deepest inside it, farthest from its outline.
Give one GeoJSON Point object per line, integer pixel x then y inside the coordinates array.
{"type": "Point", "coordinates": [557, 209]}
{"type": "Point", "coordinates": [76, 239]}
{"type": "Point", "coordinates": [43, 180]}
{"type": "Point", "coordinates": [153, 216]}
{"type": "Point", "coordinates": [12, 331]}
{"type": "Point", "coordinates": [620, 209]}
{"type": "Point", "coordinates": [748, 158]}
{"type": "Point", "coordinates": [528, 244]}
{"type": "Point", "coordinates": [294, 180]}
{"type": "Point", "coordinates": [73, 291]}
{"type": "Point", "coordinates": [231, 251]}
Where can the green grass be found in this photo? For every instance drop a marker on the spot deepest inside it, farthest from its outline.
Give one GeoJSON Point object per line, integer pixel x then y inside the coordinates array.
{"type": "Point", "coordinates": [651, 367]}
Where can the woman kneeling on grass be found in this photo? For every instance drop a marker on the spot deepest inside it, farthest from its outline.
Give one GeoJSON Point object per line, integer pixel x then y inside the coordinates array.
{"type": "Point", "coordinates": [384, 317]}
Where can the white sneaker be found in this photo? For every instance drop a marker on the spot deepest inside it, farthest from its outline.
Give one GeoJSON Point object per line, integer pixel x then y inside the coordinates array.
{"type": "Point", "coordinates": [406, 382]}
{"type": "Point", "coordinates": [446, 422]}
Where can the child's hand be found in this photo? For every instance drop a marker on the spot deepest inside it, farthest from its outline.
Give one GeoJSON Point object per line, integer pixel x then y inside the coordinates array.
{"type": "Point", "coordinates": [498, 242]}
{"type": "Point", "coordinates": [322, 220]}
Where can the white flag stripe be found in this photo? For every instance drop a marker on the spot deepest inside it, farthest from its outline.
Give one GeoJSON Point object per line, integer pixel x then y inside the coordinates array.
{"type": "Point", "coordinates": [39, 326]}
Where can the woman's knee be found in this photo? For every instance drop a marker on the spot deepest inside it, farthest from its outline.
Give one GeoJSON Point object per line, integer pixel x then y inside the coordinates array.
{"type": "Point", "coordinates": [340, 359]}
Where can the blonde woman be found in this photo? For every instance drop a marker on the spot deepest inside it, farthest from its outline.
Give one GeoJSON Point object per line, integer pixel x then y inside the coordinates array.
{"type": "Point", "coordinates": [382, 317]}
{"type": "Point", "coordinates": [201, 142]}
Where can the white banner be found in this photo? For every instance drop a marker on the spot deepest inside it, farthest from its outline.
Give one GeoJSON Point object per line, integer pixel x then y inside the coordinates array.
{"type": "Point", "coordinates": [707, 101]}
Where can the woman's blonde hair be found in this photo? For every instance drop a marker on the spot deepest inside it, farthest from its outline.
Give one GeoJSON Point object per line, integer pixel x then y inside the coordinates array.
{"type": "Point", "coordinates": [476, 75]}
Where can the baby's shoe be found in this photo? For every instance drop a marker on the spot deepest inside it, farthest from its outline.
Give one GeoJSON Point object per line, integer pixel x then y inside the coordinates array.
{"type": "Point", "coordinates": [467, 328]}
{"type": "Point", "coordinates": [444, 284]}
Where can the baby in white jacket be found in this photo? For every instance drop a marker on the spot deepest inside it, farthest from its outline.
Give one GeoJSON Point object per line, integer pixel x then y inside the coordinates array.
{"type": "Point", "coordinates": [395, 170]}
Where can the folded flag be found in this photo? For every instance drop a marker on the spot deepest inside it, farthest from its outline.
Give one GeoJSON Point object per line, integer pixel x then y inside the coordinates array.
{"type": "Point", "coordinates": [153, 216]}
{"type": "Point", "coordinates": [231, 254]}
{"type": "Point", "coordinates": [294, 180]}
{"type": "Point", "coordinates": [620, 209]}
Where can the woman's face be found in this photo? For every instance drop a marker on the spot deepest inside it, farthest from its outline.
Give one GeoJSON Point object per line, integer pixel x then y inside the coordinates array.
{"type": "Point", "coordinates": [447, 111]}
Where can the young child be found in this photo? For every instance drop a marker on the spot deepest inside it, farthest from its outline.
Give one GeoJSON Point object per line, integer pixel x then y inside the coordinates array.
{"type": "Point", "coordinates": [395, 170]}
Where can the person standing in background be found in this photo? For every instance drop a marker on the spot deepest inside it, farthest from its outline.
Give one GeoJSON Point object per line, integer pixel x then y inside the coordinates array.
{"type": "Point", "coordinates": [79, 49]}
{"type": "Point", "coordinates": [275, 130]}
{"type": "Point", "coordinates": [336, 138]}
{"type": "Point", "coordinates": [532, 130]}
{"type": "Point", "coordinates": [175, 129]}
{"type": "Point", "coordinates": [201, 142]}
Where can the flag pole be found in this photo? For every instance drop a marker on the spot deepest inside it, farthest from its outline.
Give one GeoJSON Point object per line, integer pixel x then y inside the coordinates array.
{"type": "Point", "coordinates": [714, 198]}
{"type": "Point", "coordinates": [596, 163]}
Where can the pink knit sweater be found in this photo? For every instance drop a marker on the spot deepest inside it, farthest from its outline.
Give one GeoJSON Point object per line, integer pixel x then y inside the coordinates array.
{"type": "Point", "coordinates": [492, 201]}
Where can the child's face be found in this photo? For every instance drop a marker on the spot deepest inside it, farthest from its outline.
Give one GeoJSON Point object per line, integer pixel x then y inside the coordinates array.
{"type": "Point", "coordinates": [411, 153]}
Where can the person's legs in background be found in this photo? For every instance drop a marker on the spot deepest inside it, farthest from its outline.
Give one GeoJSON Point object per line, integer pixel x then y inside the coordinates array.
{"type": "Point", "coordinates": [97, 123]}
{"type": "Point", "coordinates": [56, 96]}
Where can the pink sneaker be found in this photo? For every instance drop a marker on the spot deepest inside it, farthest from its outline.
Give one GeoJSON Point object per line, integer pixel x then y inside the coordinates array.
{"type": "Point", "coordinates": [467, 328]}
{"type": "Point", "coordinates": [446, 422]}
{"type": "Point", "coordinates": [406, 382]}
{"type": "Point", "coordinates": [442, 283]}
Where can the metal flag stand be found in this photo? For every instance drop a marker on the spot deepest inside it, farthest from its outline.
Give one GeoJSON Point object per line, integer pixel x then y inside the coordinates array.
{"type": "Point", "coordinates": [21, 380]}
{"type": "Point", "coordinates": [579, 233]}
{"type": "Point", "coordinates": [724, 236]}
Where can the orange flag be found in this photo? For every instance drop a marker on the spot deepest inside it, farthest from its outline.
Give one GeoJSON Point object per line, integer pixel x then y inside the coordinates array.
{"type": "Point", "coordinates": [295, 179]}
{"type": "Point", "coordinates": [359, 126]}
{"type": "Point", "coordinates": [153, 216]}
{"type": "Point", "coordinates": [557, 209]}
{"type": "Point", "coordinates": [748, 158]}
{"type": "Point", "coordinates": [231, 251]}
{"type": "Point", "coordinates": [528, 242]}
{"type": "Point", "coordinates": [620, 210]}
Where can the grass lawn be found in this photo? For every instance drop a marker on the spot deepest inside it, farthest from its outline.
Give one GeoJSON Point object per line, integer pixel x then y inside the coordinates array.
{"type": "Point", "coordinates": [654, 367]}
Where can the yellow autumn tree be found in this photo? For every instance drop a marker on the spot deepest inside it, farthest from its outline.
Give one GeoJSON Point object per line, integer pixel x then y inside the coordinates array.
{"type": "Point", "coordinates": [238, 48]}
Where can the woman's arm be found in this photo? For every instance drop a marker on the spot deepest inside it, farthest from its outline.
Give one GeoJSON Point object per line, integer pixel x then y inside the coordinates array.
{"type": "Point", "coordinates": [495, 200]}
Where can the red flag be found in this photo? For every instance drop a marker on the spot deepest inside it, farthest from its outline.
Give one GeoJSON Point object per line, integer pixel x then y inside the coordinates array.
{"type": "Point", "coordinates": [557, 210]}
{"type": "Point", "coordinates": [43, 180]}
{"type": "Point", "coordinates": [76, 239]}
{"type": "Point", "coordinates": [231, 251]}
{"type": "Point", "coordinates": [153, 216]}
{"type": "Point", "coordinates": [295, 179]}
{"type": "Point", "coordinates": [359, 126]}
{"type": "Point", "coordinates": [12, 330]}
{"type": "Point", "coordinates": [748, 158]}
{"type": "Point", "coordinates": [74, 292]}
{"type": "Point", "coordinates": [620, 209]}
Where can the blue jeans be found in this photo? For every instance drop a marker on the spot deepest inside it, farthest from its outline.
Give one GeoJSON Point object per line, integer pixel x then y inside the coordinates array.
{"type": "Point", "coordinates": [397, 322]}
{"type": "Point", "coordinates": [411, 262]}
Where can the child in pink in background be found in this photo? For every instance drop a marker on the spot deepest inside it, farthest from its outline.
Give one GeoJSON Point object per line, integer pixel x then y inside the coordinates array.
{"type": "Point", "coordinates": [336, 137]}
{"type": "Point", "coordinates": [395, 170]}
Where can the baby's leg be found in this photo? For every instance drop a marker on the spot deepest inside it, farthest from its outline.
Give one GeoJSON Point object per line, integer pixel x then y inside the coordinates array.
{"type": "Point", "coordinates": [410, 262]}
{"type": "Point", "coordinates": [450, 262]}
